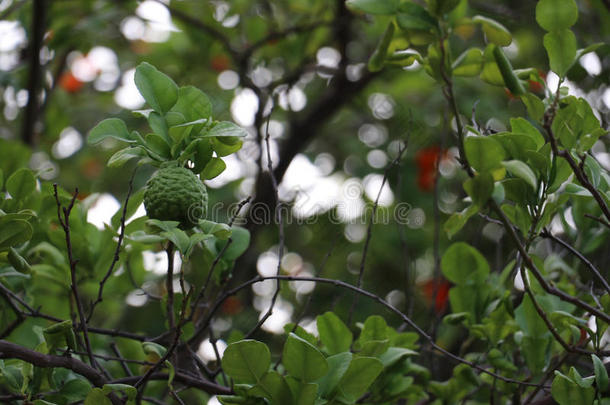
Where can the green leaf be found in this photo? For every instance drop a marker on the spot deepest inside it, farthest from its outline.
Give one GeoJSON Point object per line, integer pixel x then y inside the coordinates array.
{"type": "Point", "coordinates": [479, 188]}
{"type": "Point", "coordinates": [511, 81]}
{"type": "Point", "coordinates": [360, 374]}
{"type": "Point", "coordinates": [601, 375]}
{"type": "Point", "coordinates": [491, 73]}
{"type": "Point", "coordinates": [109, 128]}
{"type": "Point", "coordinates": [14, 232]}
{"type": "Point", "coordinates": [21, 184]}
{"type": "Point", "coordinates": [97, 397]}
{"type": "Point", "coordinates": [124, 155]}
{"type": "Point", "coordinates": [522, 126]}
{"type": "Point", "coordinates": [240, 240]}
{"type": "Point", "coordinates": [225, 129]}
{"type": "Point", "coordinates": [555, 15]}
{"type": "Point", "coordinates": [219, 230]}
{"type": "Point", "coordinates": [158, 89]}
{"type": "Point", "coordinates": [127, 389]}
{"type": "Point", "coordinates": [469, 63]}
{"type": "Point", "coordinates": [375, 329]}
{"type": "Point", "coordinates": [337, 366]}
{"type": "Point", "coordinates": [534, 106]}
{"type": "Point", "coordinates": [159, 125]}
{"type": "Point", "coordinates": [567, 392]}
{"type": "Point", "coordinates": [302, 360]}
{"type": "Point", "coordinates": [334, 334]}
{"type": "Point", "coordinates": [458, 219]}
{"type": "Point", "coordinates": [373, 6]}
{"type": "Point", "coordinates": [561, 49]}
{"type": "Point", "coordinates": [483, 153]}
{"type": "Point", "coordinates": [440, 7]}
{"type": "Point", "coordinates": [412, 16]}
{"type": "Point", "coordinates": [246, 361]}
{"type": "Point", "coordinates": [394, 354]}
{"type": "Point", "coordinates": [75, 390]}
{"type": "Point", "coordinates": [178, 238]}
{"type": "Point", "coordinates": [522, 170]}
{"type": "Point", "coordinates": [378, 57]}
{"type": "Point", "coordinates": [463, 264]}
{"type": "Point", "coordinates": [213, 168]}
{"type": "Point", "coordinates": [495, 32]}
{"type": "Point", "coordinates": [222, 149]}
{"type": "Point", "coordinates": [157, 144]}
{"type": "Point", "coordinates": [273, 386]}
{"type": "Point", "coordinates": [193, 104]}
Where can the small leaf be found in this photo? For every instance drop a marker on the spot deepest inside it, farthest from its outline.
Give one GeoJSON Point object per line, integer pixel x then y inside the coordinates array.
{"type": "Point", "coordinates": [463, 264]}
{"type": "Point", "coordinates": [377, 59]}
{"type": "Point", "coordinates": [511, 81]}
{"type": "Point", "coordinates": [561, 49]}
{"type": "Point", "coordinates": [555, 15]}
{"type": "Point", "coordinates": [373, 6]}
{"type": "Point", "coordinates": [124, 155]}
{"type": "Point", "coordinates": [334, 334]}
{"type": "Point", "coordinates": [97, 397]}
{"type": "Point", "coordinates": [240, 240]}
{"type": "Point", "coordinates": [360, 374]}
{"type": "Point", "coordinates": [213, 168]}
{"type": "Point", "coordinates": [601, 375]}
{"type": "Point", "coordinates": [495, 32]}
{"type": "Point", "coordinates": [225, 129]}
{"type": "Point", "coordinates": [522, 170]}
{"type": "Point", "coordinates": [522, 126]}
{"type": "Point", "coordinates": [412, 16]}
{"type": "Point", "coordinates": [193, 104]}
{"type": "Point", "coordinates": [158, 89]}
{"type": "Point", "coordinates": [302, 360]}
{"type": "Point", "coordinates": [534, 106]}
{"type": "Point", "coordinates": [109, 128]}
{"type": "Point", "coordinates": [21, 184]}
{"type": "Point", "coordinates": [479, 188]}
{"type": "Point", "coordinates": [484, 153]}
{"type": "Point", "coordinates": [246, 361]}
{"type": "Point", "coordinates": [157, 144]}
{"type": "Point", "coordinates": [469, 63]}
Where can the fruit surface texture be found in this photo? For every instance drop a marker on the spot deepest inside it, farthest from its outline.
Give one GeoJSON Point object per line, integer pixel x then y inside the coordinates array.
{"type": "Point", "coordinates": [176, 194]}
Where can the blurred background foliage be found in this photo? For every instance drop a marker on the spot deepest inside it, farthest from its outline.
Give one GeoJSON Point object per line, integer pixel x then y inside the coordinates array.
{"type": "Point", "coordinates": [334, 130]}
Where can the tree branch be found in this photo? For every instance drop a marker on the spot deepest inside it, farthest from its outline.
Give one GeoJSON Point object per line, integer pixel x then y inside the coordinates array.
{"type": "Point", "coordinates": [32, 109]}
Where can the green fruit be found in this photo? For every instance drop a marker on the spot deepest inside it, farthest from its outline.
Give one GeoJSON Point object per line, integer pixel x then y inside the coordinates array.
{"type": "Point", "coordinates": [176, 194]}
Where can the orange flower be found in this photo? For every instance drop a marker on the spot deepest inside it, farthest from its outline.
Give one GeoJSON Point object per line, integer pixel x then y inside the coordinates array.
{"type": "Point", "coordinates": [427, 161]}
{"type": "Point", "coordinates": [436, 292]}
{"type": "Point", "coordinates": [69, 83]}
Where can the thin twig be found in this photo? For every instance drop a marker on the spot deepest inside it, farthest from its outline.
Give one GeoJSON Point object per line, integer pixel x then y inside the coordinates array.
{"type": "Point", "coordinates": [381, 301]}
{"type": "Point", "coordinates": [65, 224]}
{"type": "Point", "coordinates": [369, 230]}
{"type": "Point", "coordinates": [117, 251]}
{"type": "Point", "coordinates": [280, 219]}
{"type": "Point", "coordinates": [546, 234]}
{"type": "Point", "coordinates": [121, 359]}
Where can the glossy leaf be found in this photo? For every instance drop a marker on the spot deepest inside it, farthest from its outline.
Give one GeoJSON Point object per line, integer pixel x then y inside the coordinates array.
{"type": "Point", "coordinates": [246, 361]}
{"type": "Point", "coordinates": [213, 168]}
{"type": "Point", "coordinates": [360, 374]}
{"type": "Point", "coordinates": [21, 184]}
{"type": "Point", "coordinates": [302, 360]}
{"type": "Point", "coordinates": [469, 63]}
{"type": "Point", "coordinates": [373, 6]}
{"type": "Point", "coordinates": [555, 15]}
{"type": "Point", "coordinates": [158, 89]}
{"type": "Point", "coordinates": [495, 32]}
{"type": "Point", "coordinates": [334, 334]}
{"type": "Point", "coordinates": [109, 128]}
{"type": "Point", "coordinates": [463, 264]}
{"type": "Point", "coordinates": [561, 49]}
{"type": "Point", "coordinates": [483, 153]}
{"type": "Point", "coordinates": [520, 169]}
